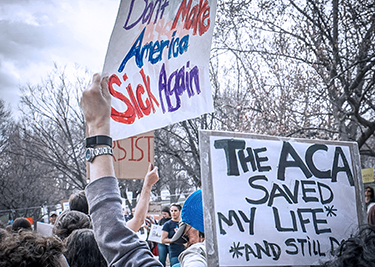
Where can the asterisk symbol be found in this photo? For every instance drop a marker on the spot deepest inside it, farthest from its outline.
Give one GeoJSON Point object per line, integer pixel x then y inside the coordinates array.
{"type": "Point", "coordinates": [235, 249]}
{"type": "Point", "coordinates": [330, 210]}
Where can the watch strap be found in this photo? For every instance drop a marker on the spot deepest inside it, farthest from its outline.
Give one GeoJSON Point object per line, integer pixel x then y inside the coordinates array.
{"type": "Point", "coordinates": [98, 151]}
{"type": "Point", "coordinates": [98, 140]}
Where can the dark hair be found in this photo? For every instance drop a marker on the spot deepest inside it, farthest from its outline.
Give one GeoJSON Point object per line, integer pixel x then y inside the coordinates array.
{"type": "Point", "coordinates": [178, 206]}
{"type": "Point", "coordinates": [21, 223]}
{"type": "Point", "coordinates": [358, 250]}
{"type": "Point", "coordinates": [371, 217]}
{"type": "Point", "coordinates": [2, 225]}
{"type": "Point", "coordinates": [78, 201]}
{"type": "Point", "coordinates": [166, 209]}
{"type": "Point", "coordinates": [30, 249]}
{"type": "Point", "coordinates": [3, 233]}
{"type": "Point", "coordinates": [70, 220]}
{"type": "Point", "coordinates": [82, 250]}
{"type": "Point", "coordinates": [372, 198]}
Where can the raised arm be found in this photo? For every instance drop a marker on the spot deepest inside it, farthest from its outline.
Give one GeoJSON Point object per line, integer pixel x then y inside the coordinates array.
{"type": "Point", "coordinates": [119, 245]}
{"type": "Point", "coordinates": [142, 206]}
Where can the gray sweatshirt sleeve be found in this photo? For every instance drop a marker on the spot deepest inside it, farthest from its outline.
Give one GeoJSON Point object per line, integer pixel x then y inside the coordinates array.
{"type": "Point", "coordinates": [119, 245]}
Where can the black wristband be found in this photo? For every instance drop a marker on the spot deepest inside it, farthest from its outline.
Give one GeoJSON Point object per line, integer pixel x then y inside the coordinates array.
{"type": "Point", "coordinates": [98, 140]}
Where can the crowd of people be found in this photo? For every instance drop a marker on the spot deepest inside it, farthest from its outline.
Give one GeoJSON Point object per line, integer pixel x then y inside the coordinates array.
{"type": "Point", "coordinates": [95, 231]}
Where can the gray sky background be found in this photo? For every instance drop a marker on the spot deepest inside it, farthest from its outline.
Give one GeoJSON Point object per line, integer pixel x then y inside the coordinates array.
{"type": "Point", "coordinates": [36, 34]}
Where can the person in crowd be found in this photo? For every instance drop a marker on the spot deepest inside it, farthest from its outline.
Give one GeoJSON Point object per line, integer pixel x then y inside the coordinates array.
{"type": "Point", "coordinates": [369, 197]}
{"type": "Point", "coordinates": [78, 201]}
{"type": "Point", "coordinates": [21, 223]}
{"type": "Point", "coordinates": [70, 220]}
{"type": "Point", "coordinates": [358, 250]}
{"type": "Point", "coordinates": [149, 221]}
{"type": "Point", "coordinates": [168, 230]}
{"type": "Point", "coordinates": [127, 216]}
{"type": "Point", "coordinates": [162, 248]}
{"type": "Point", "coordinates": [371, 217]}
{"type": "Point", "coordinates": [119, 245]}
{"type": "Point", "coordinates": [141, 209]}
{"type": "Point", "coordinates": [52, 217]}
{"type": "Point", "coordinates": [191, 233]}
{"type": "Point", "coordinates": [3, 233]}
{"type": "Point", "coordinates": [28, 248]}
{"type": "Point", "coordinates": [82, 250]}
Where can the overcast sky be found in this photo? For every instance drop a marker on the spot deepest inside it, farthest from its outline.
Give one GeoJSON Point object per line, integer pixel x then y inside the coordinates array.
{"type": "Point", "coordinates": [35, 34]}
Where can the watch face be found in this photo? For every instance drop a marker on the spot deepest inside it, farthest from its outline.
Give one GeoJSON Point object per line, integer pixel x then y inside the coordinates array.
{"type": "Point", "coordinates": [88, 154]}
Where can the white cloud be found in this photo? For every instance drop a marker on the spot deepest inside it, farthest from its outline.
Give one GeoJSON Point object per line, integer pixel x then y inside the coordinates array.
{"type": "Point", "coordinates": [36, 34]}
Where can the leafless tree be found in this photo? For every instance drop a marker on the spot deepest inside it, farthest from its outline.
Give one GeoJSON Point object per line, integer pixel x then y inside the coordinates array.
{"type": "Point", "coordinates": [25, 183]}
{"type": "Point", "coordinates": [5, 119]}
{"type": "Point", "coordinates": [54, 125]}
{"type": "Point", "coordinates": [306, 67]}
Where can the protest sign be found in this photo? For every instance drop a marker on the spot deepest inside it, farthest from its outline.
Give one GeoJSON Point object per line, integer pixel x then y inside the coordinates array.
{"type": "Point", "coordinates": [30, 219]}
{"type": "Point", "coordinates": [131, 156]}
{"type": "Point", "coordinates": [155, 233]}
{"type": "Point", "coordinates": [157, 62]}
{"type": "Point", "coordinates": [272, 201]}
{"type": "Point", "coordinates": [44, 229]}
{"type": "Point", "coordinates": [65, 204]}
{"type": "Point", "coordinates": [368, 175]}
{"type": "Point", "coordinates": [154, 208]}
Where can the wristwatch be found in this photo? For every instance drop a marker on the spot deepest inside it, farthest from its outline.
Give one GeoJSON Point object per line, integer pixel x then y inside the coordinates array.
{"type": "Point", "coordinates": [91, 153]}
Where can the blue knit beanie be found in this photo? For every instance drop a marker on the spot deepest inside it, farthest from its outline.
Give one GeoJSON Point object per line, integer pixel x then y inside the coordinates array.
{"type": "Point", "coordinates": [192, 211]}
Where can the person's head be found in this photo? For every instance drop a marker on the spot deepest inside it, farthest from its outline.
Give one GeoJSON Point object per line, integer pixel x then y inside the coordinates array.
{"type": "Point", "coordinates": [9, 228]}
{"type": "Point", "coordinates": [175, 210]}
{"type": "Point", "coordinates": [82, 250]}
{"type": "Point", "coordinates": [358, 250]}
{"type": "Point", "coordinates": [191, 228]}
{"type": "Point", "coordinates": [70, 220]}
{"type": "Point", "coordinates": [3, 233]}
{"type": "Point", "coordinates": [166, 213]}
{"type": "Point", "coordinates": [52, 217]}
{"type": "Point", "coordinates": [21, 224]}
{"type": "Point", "coordinates": [27, 248]}
{"type": "Point", "coordinates": [78, 201]}
{"type": "Point", "coordinates": [369, 192]}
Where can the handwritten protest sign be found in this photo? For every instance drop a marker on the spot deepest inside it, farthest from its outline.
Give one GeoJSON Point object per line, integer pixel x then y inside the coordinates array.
{"type": "Point", "coordinates": [368, 175]}
{"type": "Point", "coordinates": [131, 156]}
{"type": "Point", "coordinates": [154, 208]}
{"type": "Point", "coordinates": [272, 201]}
{"type": "Point", "coordinates": [157, 62]}
{"type": "Point", "coordinates": [155, 233]}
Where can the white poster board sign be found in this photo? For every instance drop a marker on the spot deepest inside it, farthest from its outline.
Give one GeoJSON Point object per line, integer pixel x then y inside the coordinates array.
{"type": "Point", "coordinates": [157, 62]}
{"type": "Point", "coordinates": [44, 229]}
{"type": "Point", "coordinates": [272, 201]}
{"type": "Point", "coordinates": [155, 233]}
